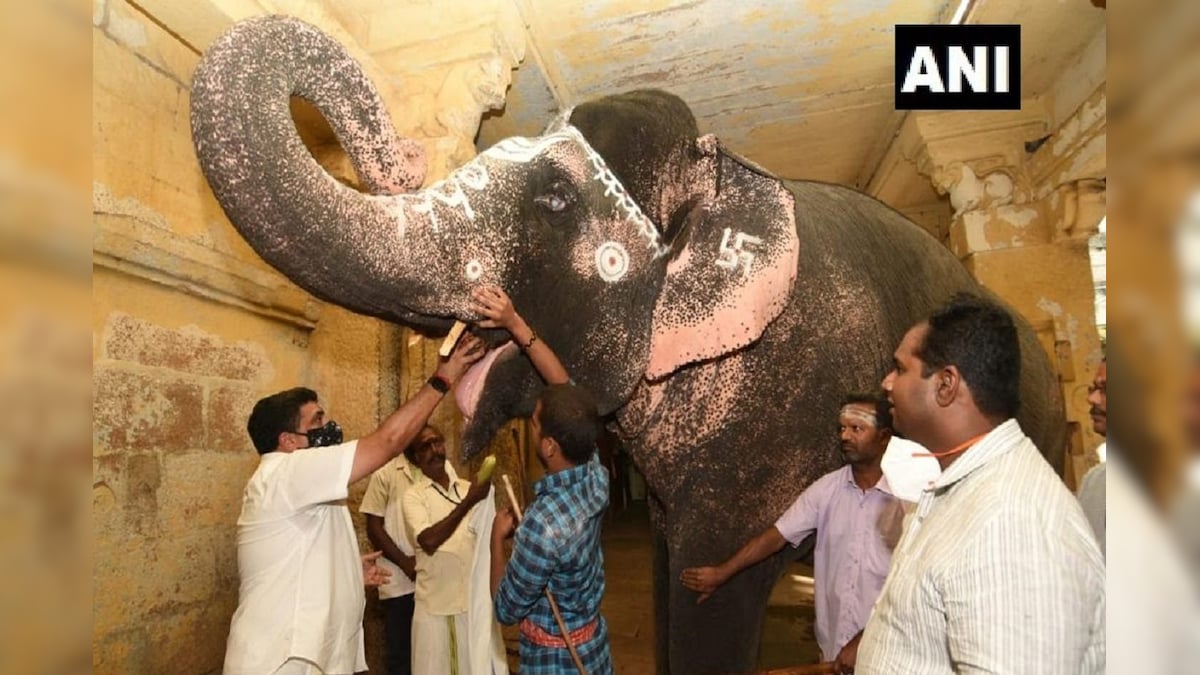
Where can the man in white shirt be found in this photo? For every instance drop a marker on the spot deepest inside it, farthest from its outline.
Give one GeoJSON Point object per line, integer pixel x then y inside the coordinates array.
{"type": "Point", "coordinates": [383, 506]}
{"type": "Point", "coordinates": [300, 600]}
{"type": "Point", "coordinates": [1092, 487]}
{"type": "Point", "coordinates": [435, 511]}
{"type": "Point", "coordinates": [998, 570]}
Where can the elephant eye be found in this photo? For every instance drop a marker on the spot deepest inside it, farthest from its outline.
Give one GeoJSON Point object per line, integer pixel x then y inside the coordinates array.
{"type": "Point", "coordinates": [556, 199]}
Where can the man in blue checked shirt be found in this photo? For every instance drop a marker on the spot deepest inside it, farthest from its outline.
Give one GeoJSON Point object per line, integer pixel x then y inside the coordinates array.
{"type": "Point", "coordinates": [558, 543]}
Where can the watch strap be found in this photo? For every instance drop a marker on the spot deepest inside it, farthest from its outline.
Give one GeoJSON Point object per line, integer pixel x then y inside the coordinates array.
{"type": "Point", "coordinates": [439, 383]}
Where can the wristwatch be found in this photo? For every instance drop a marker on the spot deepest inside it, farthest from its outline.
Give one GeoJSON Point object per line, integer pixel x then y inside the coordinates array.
{"type": "Point", "coordinates": [440, 383]}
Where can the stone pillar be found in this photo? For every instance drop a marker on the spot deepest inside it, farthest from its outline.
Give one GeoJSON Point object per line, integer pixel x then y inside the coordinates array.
{"type": "Point", "coordinates": [1025, 201]}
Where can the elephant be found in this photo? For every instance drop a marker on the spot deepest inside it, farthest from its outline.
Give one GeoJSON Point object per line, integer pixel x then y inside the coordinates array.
{"type": "Point", "coordinates": [718, 313]}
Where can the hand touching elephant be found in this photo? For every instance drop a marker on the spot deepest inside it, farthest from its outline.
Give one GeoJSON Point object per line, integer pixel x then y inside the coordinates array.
{"type": "Point", "coordinates": [718, 313]}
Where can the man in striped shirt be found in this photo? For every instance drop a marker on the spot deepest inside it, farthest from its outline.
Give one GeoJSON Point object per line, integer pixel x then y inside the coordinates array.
{"type": "Point", "coordinates": [558, 544]}
{"type": "Point", "coordinates": [997, 571]}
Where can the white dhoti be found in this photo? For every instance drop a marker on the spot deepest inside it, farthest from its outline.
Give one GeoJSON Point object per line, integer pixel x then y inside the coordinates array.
{"type": "Point", "coordinates": [440, 644]}
{"type": "Point", "coordinates": [467, 643]}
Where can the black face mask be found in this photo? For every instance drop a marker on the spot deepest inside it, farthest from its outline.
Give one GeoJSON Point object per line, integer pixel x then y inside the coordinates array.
{"type": "Point", "coordinates": [330, 434]}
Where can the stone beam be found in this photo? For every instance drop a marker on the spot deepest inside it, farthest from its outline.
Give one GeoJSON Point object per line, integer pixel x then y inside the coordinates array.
{"type": "Point", "coordinates": [1077, 151]}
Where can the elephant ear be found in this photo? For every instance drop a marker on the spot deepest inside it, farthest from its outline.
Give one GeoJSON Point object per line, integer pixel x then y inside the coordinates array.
{"type": "Point", "coordinates": [732, 270]}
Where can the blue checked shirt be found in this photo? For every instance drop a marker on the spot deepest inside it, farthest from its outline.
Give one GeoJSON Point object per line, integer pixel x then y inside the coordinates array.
{"type": "Point", "coordinates": [558, 544]}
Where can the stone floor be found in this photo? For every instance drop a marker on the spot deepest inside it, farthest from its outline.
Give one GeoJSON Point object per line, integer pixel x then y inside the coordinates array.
{"type": "Point", "coordinates": [787, 634]}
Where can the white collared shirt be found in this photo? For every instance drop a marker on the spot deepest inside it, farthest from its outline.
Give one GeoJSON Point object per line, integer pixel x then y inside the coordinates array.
{"type": "Point", "coordinates": [301, 592]}
{"type": "Point", "coordinates": [997, 572]}
{"type": "Point", "coordinates": [385, 498]}
{"type": "Point", "coordinates": [441, 587]}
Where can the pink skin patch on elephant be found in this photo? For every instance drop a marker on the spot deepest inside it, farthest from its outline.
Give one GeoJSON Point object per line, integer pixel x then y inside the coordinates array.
{"type": "Point", "coordinates": [750, 276]}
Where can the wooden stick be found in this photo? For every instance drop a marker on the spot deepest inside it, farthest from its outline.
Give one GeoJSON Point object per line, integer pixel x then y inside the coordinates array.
{"type": "Point", "coordinates": [562, 625]}
{"type": "Point", "coordinates": [452, 337]}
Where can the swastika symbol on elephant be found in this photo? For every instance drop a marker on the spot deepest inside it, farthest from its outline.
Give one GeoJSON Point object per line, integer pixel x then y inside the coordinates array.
{"type": "Point", "coordinates": [732, 257]}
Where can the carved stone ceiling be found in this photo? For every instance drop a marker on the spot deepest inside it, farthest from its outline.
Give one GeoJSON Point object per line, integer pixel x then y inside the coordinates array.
{"type": "Point", "coordinates": [803, 87]}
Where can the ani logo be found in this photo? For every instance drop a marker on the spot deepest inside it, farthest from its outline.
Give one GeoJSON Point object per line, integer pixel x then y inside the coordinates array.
{"type": "Point", "coordinates": [965, 67]}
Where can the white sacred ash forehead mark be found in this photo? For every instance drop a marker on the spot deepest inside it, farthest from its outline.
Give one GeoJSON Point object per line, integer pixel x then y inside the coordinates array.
{"type": "Point", "coordinates": [521, 150]}
{"type": "Point", "coordinates": [737, 255]}
{"type": "Point", "coordinates": [856, 413]}
{"type": "Point", "coordinates": [612, 261]}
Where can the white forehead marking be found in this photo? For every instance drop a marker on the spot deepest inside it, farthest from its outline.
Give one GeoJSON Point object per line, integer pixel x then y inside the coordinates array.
{"type": "Point", "coordinates": [524, 149]}
{"type": "Point", "coordinates": [854, 412]}
{"type": "Point", "coordinates": [520, 149]}
{"type": "Point", "coordinates": [612, 261]}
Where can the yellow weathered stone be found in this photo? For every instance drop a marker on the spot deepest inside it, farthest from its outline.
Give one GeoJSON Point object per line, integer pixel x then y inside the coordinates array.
{"type": "Point", "coordinates": [190, 326]}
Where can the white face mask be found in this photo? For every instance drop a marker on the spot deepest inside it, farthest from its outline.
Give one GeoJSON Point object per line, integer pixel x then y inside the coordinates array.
{"type": "Point", "coordinates": [907, 475]}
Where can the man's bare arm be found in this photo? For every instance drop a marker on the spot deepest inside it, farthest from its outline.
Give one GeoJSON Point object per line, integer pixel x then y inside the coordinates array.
{"type": "Point", "coordinates": [495, 304]}
{"type": "Point", "coordinates": [432, 537]}
{"type": "Point", "coordinates": [401, 427]}
{"type": "Point", "coordinates": [706, 580]}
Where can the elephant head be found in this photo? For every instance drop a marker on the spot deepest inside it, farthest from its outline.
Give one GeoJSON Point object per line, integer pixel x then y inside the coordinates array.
{"type": "Point", "coordinates": [632, 245]}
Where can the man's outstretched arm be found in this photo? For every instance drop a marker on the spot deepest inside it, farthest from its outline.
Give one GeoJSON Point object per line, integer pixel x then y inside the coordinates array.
{"type": "Point", "coordinates": [495, 304]}
{"type": "Point", "coordinates": [401, 427]}
{"type": "Point", "coordinates": [705, 580]}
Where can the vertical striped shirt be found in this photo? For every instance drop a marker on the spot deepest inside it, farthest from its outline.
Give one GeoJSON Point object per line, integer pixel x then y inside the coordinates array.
{"type": "Point", "coordinates": [997, 572]}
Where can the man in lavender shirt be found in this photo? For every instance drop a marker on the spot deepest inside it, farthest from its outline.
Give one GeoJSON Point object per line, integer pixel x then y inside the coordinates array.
{"type": "Point", "coordinates": [857, 521]}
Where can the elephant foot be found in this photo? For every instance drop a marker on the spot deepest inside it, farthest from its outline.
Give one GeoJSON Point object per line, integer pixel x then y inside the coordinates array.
{"type": "Point", "coordinates": [720, 635]}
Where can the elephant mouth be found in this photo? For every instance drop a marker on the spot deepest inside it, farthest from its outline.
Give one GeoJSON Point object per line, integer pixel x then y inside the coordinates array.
{"type": "Point", "coordinates": [470, 387]}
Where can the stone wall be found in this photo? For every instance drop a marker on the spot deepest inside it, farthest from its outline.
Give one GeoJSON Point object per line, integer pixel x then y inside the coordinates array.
{"type": "Point", "coordinates": [190, 327]}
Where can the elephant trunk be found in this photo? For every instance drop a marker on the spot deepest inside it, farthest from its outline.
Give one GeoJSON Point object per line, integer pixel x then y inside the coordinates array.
{"type": "Point", "coordinates": [334, 241]}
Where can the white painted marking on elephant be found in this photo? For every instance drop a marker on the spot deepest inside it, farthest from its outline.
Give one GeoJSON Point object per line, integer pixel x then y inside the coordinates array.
{"type": "Point", "coordinates": [612, 261]}
{"type": "Point", "coordinates": [473, 174]}
{"type": "Point", "coordinates": [474, 270]}
{"type": "Point", "coordinates": [732, 257]}
{"type": "Point", "coordinates": [525, 149]}
{"type": "Point", "coordinates": [521, 150]}
{"type": "Point", "coordinates": [613, 187]}
{"type": "Point", "coordinates": [395, 208]}
{"type": "Point", "coordinates": [449, 192]}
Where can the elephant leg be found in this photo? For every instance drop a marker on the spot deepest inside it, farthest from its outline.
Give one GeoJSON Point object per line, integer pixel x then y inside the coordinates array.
{"type": "Point", "coordinates": [720, 635]}
{"type": "Point", "coordinates": [662, 585]}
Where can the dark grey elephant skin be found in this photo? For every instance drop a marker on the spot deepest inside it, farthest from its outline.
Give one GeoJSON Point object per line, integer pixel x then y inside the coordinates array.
{"type": "Point", "coordinates": [718, 313]}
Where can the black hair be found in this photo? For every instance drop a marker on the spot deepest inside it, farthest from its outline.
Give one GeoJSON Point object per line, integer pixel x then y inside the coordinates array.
{"type": "Point", "coordinates": [978, 337]}
{"type": "Point", "coordinates": [410, 450]}
{"type": "Point", "coordinates": [276, 414]}
{"type": "Point", "coordinates": [569, 416]}
{"type": "Point", "coordinates": [883, 409]}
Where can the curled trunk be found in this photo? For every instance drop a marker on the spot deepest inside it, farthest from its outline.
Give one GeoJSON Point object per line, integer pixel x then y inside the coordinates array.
{"type": "Point", "coordinates": [333, 241]}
